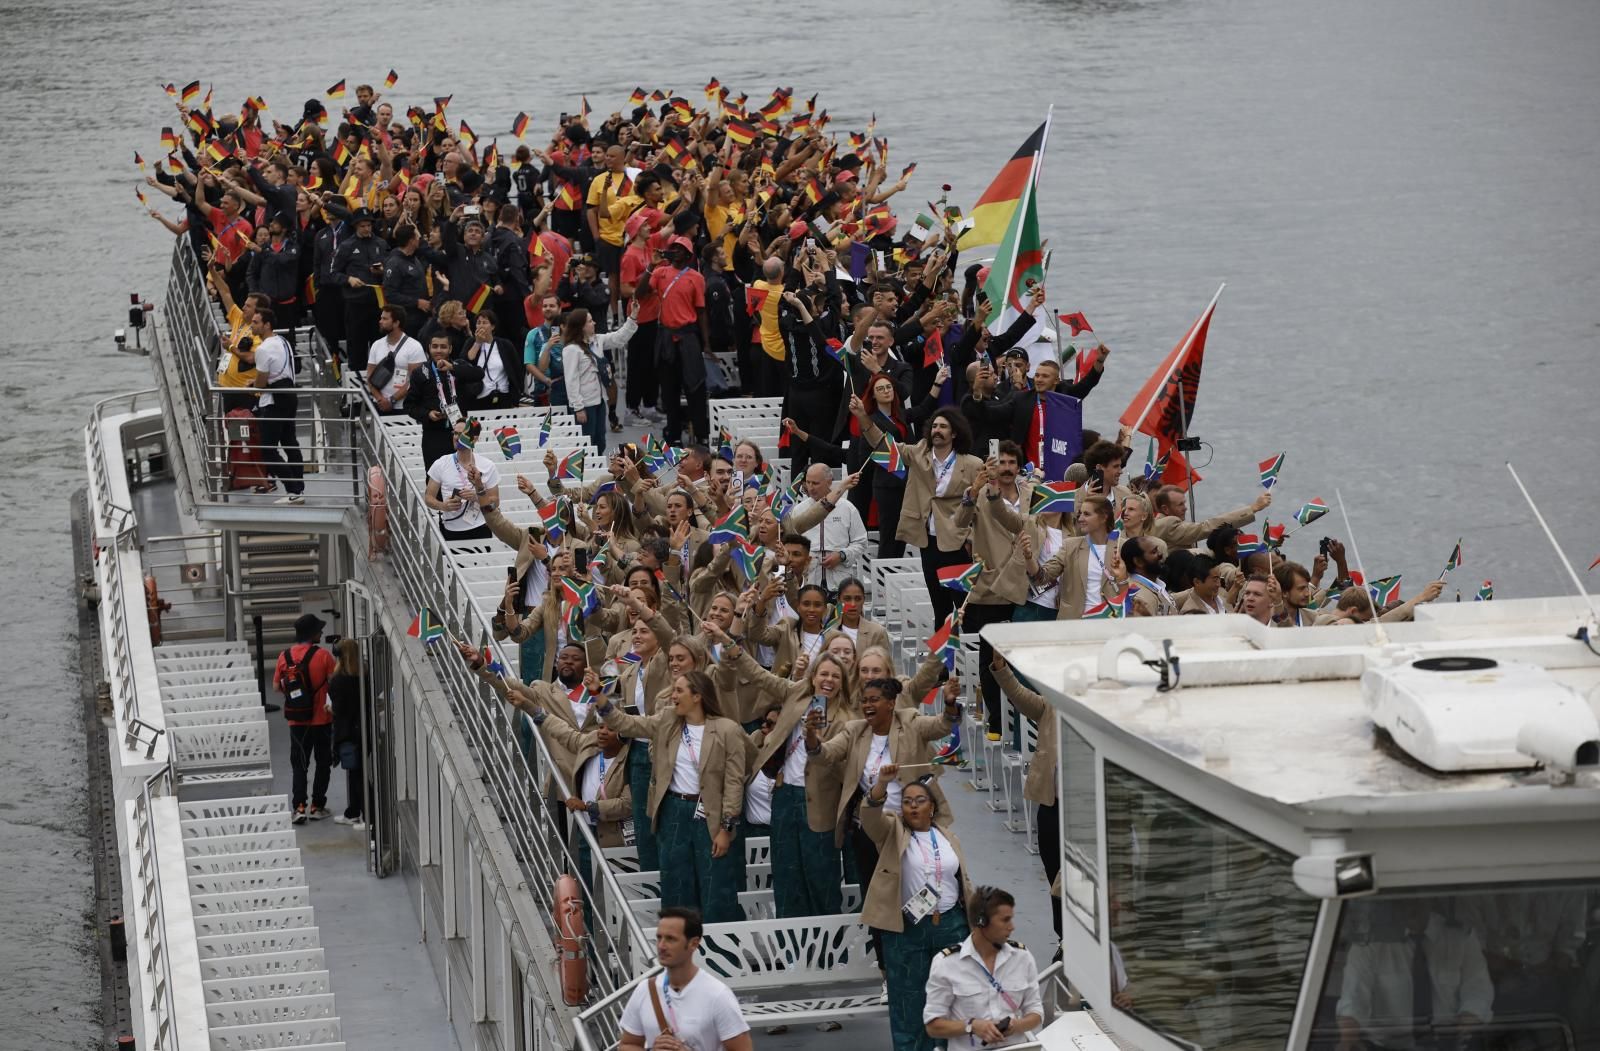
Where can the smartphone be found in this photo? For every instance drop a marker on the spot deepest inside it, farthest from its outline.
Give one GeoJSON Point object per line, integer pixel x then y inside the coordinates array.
{"type": "Point", "coordinates": [580, 561]}
{"type": "Point", "coordinates": [472, 209]}
{"type": "Point", "coordinates": [994, 447]}
{"type": "Point", "coordinates": [811, 242]}
{"type": "Point", "coordinates": [511, 574]}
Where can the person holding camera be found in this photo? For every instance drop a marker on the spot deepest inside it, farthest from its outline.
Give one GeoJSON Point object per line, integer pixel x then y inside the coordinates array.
{"type": "Point", "coordinates": [358, 266]}
{"type": "Point", "coordinates": [984, 992]}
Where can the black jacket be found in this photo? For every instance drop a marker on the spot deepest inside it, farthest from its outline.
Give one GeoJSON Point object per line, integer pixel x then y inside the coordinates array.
{"type": "Point", "coordinates": [423, 396]}
{"type": "Point", "coordinates": [275, 273]}
{"type": "Point", "coordinates": [403, 275]}
{"type": "Point", "coordinates": [466, 270]}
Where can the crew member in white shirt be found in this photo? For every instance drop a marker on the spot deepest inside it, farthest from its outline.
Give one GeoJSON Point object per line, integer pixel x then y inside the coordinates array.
{"type": "Point", "coordinates": [683, 1009]}
{"type": "Point", "coordinates": [839, 541]}
{"type": "Point", "coordinates": [275, 375]}
{"type": "Point", "coordinates": [984, 992]}
{"type": "Point", "coordinates": [408, 354]}
{"type": "Point", "coordinates": [460, 486]}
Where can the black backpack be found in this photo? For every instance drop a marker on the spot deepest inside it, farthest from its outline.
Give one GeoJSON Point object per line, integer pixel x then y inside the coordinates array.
{"type": "Point", "coordinates": [299, 695]}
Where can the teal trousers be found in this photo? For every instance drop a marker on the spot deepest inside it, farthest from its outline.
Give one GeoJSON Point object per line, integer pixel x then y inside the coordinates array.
{"type": "Point", "coordinates": [689, 874]}
{"type": "Point", "coordinates": [908, 957]}
{"type": "Point", "coordinates": [805, 864]}
{"type": "Point", "coordinates": [644, 838]}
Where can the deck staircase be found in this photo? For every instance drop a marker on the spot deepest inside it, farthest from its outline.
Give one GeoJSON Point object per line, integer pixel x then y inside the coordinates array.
{"type": "Point", "coordinates": [213, 712]}
{"type": "Point", "coordinates": [265, 980]}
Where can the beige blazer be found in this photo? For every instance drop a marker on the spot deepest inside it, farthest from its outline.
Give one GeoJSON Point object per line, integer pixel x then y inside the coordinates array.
{"type": "Point", "coordinates": [783, 637]}
{"type": "Point", "coordinates": [741, 691]}
{"type": "Point", "coordinates": [919, 500]}
{"type": "Point", "coordinates": [869, 634]}
{"type": "Point", "coordinates": [657, 675]}
{"type": "Point", "coordinates": [1071, 566]}
{"type": "Point", "coordinates": [911, 738]}
{"type": "Point", "coordinates": [1148, 603]}
{"type": "Point", "coordinates": [1040, 784]}
{"type": "Point", "coordinates": [882, 905]}
{"type": "Point", "coordinates": [823, 786]}
{"type": "Point", "coordinates": [1180, 532]}
{"type": "Point", "coordinates": [995, 528]}
{"type": "Point", "coordinates": [551, 699]}
{"type": "Point", "coordinates": [723, 753]}
{"type": "Point", "coordinates": [1192, 603]}
{"type": "Point", "coordinates": [545, 617]}
{"type": "Point", "coordinates": [617, 805]}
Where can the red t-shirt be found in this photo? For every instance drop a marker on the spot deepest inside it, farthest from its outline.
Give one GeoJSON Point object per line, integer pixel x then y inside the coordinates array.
{"type": "Point", "coordinates": [634, 263]}
{"type": "Point", "coordinates": [233, 235]}
{"type": "Point", "coordinates": [680, 295]}
{"type": "Point", "coordinates": [320, 670]}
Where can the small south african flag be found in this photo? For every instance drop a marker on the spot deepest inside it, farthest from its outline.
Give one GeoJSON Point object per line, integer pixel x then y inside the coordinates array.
{"type": "Point", "coordinates": [731, 527]}
{"type": "Point", "coordinates": [492, 663]}
{"type": "Point", "coordinates": [1101, 610]}
{"type": "Point", "coordinates": [1269, 470]}
{"type": "Point", "coordinates": [571, 465]}
{"type": "Point", "coordinates": [1049, 497]}
{"type": "Point", "coordinates": [1309, 513]}
{"type": "Point", "coordinates": [1250, 544]}
{"type": "Point", "coordinates": [1385, 591]}
{"type": "Point", "coordinates": [510, 441]}
{"type": "Point", "coordinates": [889, 459]}
{"type": "Point", "coordinates": [1486, 592]}
{"type": "Point", "coordinates": [1455, 558]}
{"type": "Point", "coordinates": [945, 642]}
{"type": "Point", "coordinates": [550, 518]}
{"type": "Point", "coordinates": [424, 627]}
{"type": "Point", "coordinates": [961, 578]}
{"type": "Point", "coordinates": [747, 557]}
{"type": "Point", "coordinates": [544, 430]}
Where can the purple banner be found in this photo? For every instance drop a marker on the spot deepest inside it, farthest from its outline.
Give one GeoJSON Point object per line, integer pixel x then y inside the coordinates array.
{"type": "Point", "coordinates": [1060, 424]}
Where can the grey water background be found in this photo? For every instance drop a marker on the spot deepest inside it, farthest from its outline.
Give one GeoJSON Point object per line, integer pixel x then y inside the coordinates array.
{"type": "Point", "coordinates": [1403, 198]}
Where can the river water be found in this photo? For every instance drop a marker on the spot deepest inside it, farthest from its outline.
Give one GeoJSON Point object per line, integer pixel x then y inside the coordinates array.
{"type": "Point", "coordinates": [1404, 200]}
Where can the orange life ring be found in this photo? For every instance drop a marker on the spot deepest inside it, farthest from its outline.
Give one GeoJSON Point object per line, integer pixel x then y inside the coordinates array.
{"type": "Point", "coordinates": [377, 512]}
{"type": "Point", "coordinates": [569, 942]}
{"type": "Point", "coordinates": [154, 606]}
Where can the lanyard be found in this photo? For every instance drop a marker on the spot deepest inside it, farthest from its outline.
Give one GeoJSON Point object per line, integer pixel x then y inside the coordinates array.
{"type": "Point", "coordinates": [875, 762]}
{"type": "Point", "coordinates": [600, 793]}
{"type": "Point", "coordinates": [688, 742]}
{"type": "Point", "coordinates": [666, 1002]}
{"type": "Point", "coordinates": [938, 865]}
{"type": "Point", "coordinates": [1011, 1004]}
{"type": "Point", "coordinates": [1094, 554]}
{"type": "Point", "coordinates": [942, 471]}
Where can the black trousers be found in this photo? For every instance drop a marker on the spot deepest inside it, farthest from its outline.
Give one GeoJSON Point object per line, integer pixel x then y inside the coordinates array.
{"type": "Point", "coordinates": [767, 376]}
{"type": "Point", "coordinates": [944, 600]}
{"type": "Point", "coordinates": [569, 224]}
{"type": "Point", "coordinates": [478, 532]}
{"type": "Point", "coordinates": [1050, 851]}
{"type": "Point", "coordinates": [328, 315]}
{"type": "Point", "coordinates": [355, 793]}
{"type": "Point", "coordinates": [436, 442]}
{"type": "Point", "coordinates": [360, 326]}
{"type": "Point", "coordinates": [276, 428]}
{"type": "Point", "coordinates": [681, 377]}
{"type": "Point", "coordinates": [642, 367]}
{"type": "Point", "coordinates": [888, 498]}
{"type": "Point", "coordinates": [973, 620]}
{"type": "Point", "coordinates": [308, 742]}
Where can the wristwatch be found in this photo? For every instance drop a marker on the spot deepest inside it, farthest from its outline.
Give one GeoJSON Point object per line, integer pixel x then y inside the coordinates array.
{"type": "Point", "coordinates": [728, 824]}
{"type": "Point", "coordinates": [969, 1027]}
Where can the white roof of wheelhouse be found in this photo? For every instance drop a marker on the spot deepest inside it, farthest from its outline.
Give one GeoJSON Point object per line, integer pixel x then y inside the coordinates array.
{"type": "Point", "coordinates": [1290, 724]}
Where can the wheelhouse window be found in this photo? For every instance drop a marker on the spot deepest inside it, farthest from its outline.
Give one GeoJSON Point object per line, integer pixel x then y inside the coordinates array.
{"type": "Point", "coordinates": [1080, 874]}
{"type": "Point", "coordinates": [1505, 966]}
{"type": "Point", "coordinates": [1209, 934]}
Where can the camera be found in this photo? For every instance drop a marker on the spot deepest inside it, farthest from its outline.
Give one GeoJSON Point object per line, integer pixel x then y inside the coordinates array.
{"type": "Point", "coordinates": [1323, 545]}
{"type": "Point", "coordinates": [1188, 445]}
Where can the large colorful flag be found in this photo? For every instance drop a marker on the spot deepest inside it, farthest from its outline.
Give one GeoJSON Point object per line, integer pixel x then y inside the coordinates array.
{"type": "Point", "coordinates": [991, 216]}
{"type": "Point", "coordinates": [510, 441]}
{"type": "Point", "coordinates": [1054, 498]}
{"type": "Point", "coordinates": [1019, 262]}
{"type": "Point", "coordinates": [1309, 513]}
{"type": "Point", "coordinates": [571, 466]}
{"type": "Point", "coordinates": [1164, 406]}
{"type": "Point", "coordinates": [1269, 470]}
{"type": "Point", "coordinates": [424, 627]}
{"type": "Point", "coordinates": [890, 459]}
{"type": "Point", "coordinates": [1385, 591]}
{"type": "Point", "coordinates": [1055, 438]}
{"type": "Point", "coordinates": [945, 642]}
{"type": "Point", "coordinates": [961, 578]}
{"type": "Point", "coordinates": [731, 527]}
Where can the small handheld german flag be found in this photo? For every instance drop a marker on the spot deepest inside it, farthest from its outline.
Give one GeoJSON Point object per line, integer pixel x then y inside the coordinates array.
{"type": "Point", "coordinates": [519, 126]}
{"type": "Point", "coordinates": [468, 135]}
{"type": "Point", "coordinates": [479, 299]}
{"type": "Point", "coordinates": [191, 91]}
{"type": "Point", "coordinates": [138, 160]}
{"type": "Point", "coordinates": [637, 98]}
{"type": "Point", "coordinates": [583, 107]}
{"type": "Point", "coordinates": [391, 80]}
{"type": "Point", "coordinates": [337, 91]}
{"type": "Point", "coordinates": [713, 89]}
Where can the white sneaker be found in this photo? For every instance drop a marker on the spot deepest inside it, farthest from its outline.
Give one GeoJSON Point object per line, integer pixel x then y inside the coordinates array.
{"type": "Point", "coordinates": [340, 819]}
{"type": "Point", "coordinates": [829, 1027]}
{"type": "Point", "coordinates": [292, 498]}
{"type": "Point", "coordinates": [638, 417]}
{"type": "Point", "coordinates": [883, 994]}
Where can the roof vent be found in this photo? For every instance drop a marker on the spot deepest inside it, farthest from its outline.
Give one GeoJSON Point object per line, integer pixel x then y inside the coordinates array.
{"type": "Point", "coordinates": [1471, 713]}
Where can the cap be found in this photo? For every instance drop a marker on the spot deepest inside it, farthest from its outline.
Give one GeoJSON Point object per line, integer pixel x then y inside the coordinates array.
{"type": "Point", "coordinates": [637, 220]}
{"type": "Point", "coordinates": [362, 215]}
{"type": "Point", "coordinates": [682, 242]}
{"type": "Point", "coordinates": [308, 625]}
{"type": "Point", "coordinates": [844, 176]}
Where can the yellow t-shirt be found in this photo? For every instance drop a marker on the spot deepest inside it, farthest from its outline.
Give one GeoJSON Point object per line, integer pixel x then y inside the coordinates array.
{"type": "Point", "coordinates": [771, 336]}
{"type": "Point", "coordinates": [604, 191]}
{"type": "Point", "coordinates": [723, 221]}
{"type": "Point", "coordinates": [235, 373]}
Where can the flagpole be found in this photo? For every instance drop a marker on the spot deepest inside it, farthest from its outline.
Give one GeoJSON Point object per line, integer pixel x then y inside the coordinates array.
{"type": "Point", "coordinates": [1573, 573]}
{"type": "Point", "coordinates": [1177, 364]}
{"type": "Point", "coordinates": [998, 310]}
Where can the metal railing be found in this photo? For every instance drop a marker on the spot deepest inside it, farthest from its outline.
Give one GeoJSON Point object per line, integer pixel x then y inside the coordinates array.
{"type": "Point", "coordinates": [152, 903]}
{"type": "Point", "coordinates": [418, 556]}
{"type": "Point", "coordinates": [189, 576]}
{"type": "Point", "coordinates": [223, 456]}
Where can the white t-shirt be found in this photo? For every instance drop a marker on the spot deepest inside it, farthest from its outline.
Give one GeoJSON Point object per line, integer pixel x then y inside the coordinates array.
{"type": "Point", "coordinates": [758, 800]}
{"type": "Point", "coordinates": [686, 767]}
{"type": "Point", "coordinates": [930, 861]}
{"type": "Point", "coordinates": [1050, 596]}
{"type": "Point", "coordinates": [591, 776]}
{"type": "Point", "coordinates": [451, 475]}
{"type": "Point", "coordinates": [703, 1015]}
{"type": "Point", "coordinates": [877, 756]}
{"type": "Point", "coordinates": [494, 369]}
{"type": "Point", "coordinates": [943, 471]}
{"type": "Point", "coordinates": [408, 354]}
{"type": "Point", "coordinates": [1097, 570]}
{"type": "Point", "coordinates": [275, 358]}
{"type": "Point", "coordinates": [794, 759]}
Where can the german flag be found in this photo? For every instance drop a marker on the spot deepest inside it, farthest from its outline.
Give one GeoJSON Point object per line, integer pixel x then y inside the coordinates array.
{"type": "Point", "coordinates": [811, 104]}
{"type": "Point", "coordinates": [567, 198]}
{"type": "Point", "coordinates": [683, 110]}
{"type": "Point", "coordinates": [638, 97]}
{"type": "Point", "coordinates": [658, 95]}
{"type": "Point", "coordinates": [468, 135]}
{"type": "Point", "coordinates": [416, 115]}
{"type": "Point", "coordinates": [441, 103]}
{"type": "Point", "coordinates": [479, 299]}
{"type": "Point", "coordinates": [341, 153]}
{"type": "Point", "coordinates": [713, 88]}
{"type": "Point", "coordinates": [769, 127]}
{"type": "Point", "coordinates": [991, 216]}
{"type": "Point", "coordinates": [191, 91]}
{"type": "Point", "coordinates": [337, 91]}
{"type": "Point", "coordinates": [173, 164]}
{"type": "Point", "coordinates": [391, 80]}
{"type": "Point", "coordinates": [377, 291]}
{"type": "Point", "coordinates": [583, 107]}
{"type": "Point", "coordinates": [491, 157]}
{"type": "Point", "coordinates": [801, 123]}
{"type": "Point", "coordinates": [741, 133]}
{"type": "Point", "coordinates": [218, 151]}
{"type": "Point", "coordinates": [519, 126]}
{"type": "Point", "coordinates": [811, 191]}
{"type": "Point", "coordinates": [138, 160]}
{"type": "Point", "coordinates": [672, 150]}
{"type": "Point", "coordinates": [200, 123]}
{"type": "Point", "coordinates": [171, 90]}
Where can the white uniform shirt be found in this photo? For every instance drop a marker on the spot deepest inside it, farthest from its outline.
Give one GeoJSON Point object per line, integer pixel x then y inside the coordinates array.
{"type": "Point", "coordinates": [406, 356]}
{"type": "Point", "coordinates": [943, 471]}
{"type": "Point", "coordinates": [275, 358]}
{"type": "Point", "coordinates": [451, 474]}
{"type": "Point", "coordinates": [703, 1014]}
{"type": "Point", "coordinates": [494, 370]}
{"type": "Point", "coordinates": [1097, 570]}
{"type": "Point", "coordinates": [794, 758]}
{"type": "Point", "coordinates": [1377, 980]}
{"type": "Point", "coordinates": [877, 756]}
{"type": "Point", "coordinates": [758, 800]}
{"type": "Point", "coordinates": [591, 776]}
{"type": "Point", "coordinates": [1050, 596]}
{"type": "Point", "coordinates": [686, 767]}
{"type": "Point", "coordinates": [959, 987]}
{"type": "Point", "coordinates": [930, 861]}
